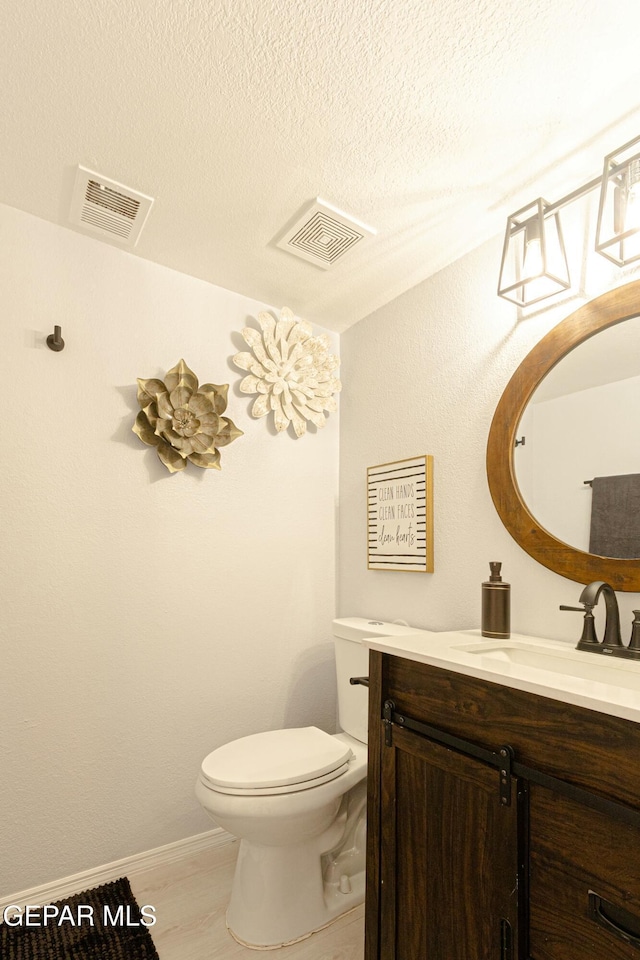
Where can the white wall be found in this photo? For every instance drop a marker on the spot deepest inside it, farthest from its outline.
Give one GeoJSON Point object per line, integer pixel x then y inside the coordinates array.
{"type": "Point", "coordinates": [148, 618]}
{"type": "Point", "coordinates": [569, 439]}
{"type": "Point", "coordinates": [424, 375]}
{"type": "Point", "coordinates": [145, 618]}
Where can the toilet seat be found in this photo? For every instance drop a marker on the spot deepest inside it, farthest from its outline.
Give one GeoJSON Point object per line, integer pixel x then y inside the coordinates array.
{"type": "Point", "coordinates": [278, 761]}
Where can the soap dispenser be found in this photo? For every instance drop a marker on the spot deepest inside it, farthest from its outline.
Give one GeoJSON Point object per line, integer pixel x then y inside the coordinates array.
{"type": "Point", "coordinates": [496, 605]}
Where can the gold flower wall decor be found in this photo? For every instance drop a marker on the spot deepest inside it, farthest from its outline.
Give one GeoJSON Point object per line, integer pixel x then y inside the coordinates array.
{"type": "Point", "coordinates": [183, 420]}
{"type": "Point", "coordinates": [291, 371]}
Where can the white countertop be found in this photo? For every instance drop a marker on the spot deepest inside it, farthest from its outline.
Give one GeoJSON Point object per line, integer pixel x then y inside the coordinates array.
{"type": "Point", "coordinates": [549, 668]}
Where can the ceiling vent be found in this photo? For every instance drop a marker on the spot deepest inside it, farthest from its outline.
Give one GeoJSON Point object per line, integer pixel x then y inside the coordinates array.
{"type": "Point", "coordinates": [108, 209]}
{"type": "Point", "coordinates": [323, 234]}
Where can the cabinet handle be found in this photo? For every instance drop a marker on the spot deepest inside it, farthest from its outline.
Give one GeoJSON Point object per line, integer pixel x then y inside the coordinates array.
{"type": "Point", "coordinates": [506, 942]}
{"type": "Point", "coordinates": [363, 681]}
{"type": "Point", "coordinates": [618, 921]}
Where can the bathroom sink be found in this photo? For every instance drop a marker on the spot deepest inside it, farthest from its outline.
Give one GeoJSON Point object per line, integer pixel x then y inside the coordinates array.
{"type": "Point", "coordinates": [569, 663]}
{"type": "Point", "coordinates": [548, 668]}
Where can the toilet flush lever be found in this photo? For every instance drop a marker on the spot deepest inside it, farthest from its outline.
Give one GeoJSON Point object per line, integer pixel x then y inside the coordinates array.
{"type": "Point", "coordinates": [363, 681]}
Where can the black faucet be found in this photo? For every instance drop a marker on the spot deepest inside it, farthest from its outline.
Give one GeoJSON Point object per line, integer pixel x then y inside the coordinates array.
{"type": "Point", "coordinates": [612, 641]}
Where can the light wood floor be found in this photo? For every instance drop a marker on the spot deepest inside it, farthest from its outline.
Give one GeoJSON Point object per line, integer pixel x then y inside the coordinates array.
{"type": "Point", "coordinates": [190, 898]}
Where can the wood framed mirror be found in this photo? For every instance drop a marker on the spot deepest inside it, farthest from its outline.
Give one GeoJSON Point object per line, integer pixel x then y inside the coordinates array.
{"type": "Point", "coordinates": [611, 308]}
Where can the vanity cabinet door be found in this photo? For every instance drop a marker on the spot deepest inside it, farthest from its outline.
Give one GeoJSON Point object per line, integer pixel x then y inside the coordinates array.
{"type": "Point", "coordinates": [449, 856]}
{"type": "Point", "coordinates": [584, 881]}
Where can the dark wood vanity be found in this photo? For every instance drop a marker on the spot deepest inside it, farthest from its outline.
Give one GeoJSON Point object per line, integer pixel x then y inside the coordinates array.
{"type": "Point", "coordinates": [501, 824]}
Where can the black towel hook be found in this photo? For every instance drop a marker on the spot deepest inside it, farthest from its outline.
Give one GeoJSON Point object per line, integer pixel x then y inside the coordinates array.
{"type": "Point", "coordinates": [55, 341]}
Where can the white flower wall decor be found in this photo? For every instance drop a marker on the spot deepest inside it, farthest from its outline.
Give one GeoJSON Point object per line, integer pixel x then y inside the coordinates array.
{"type": "Point", "coordinates": [291, 371]}
{"type": "Point", "coordinates": [183, 419]}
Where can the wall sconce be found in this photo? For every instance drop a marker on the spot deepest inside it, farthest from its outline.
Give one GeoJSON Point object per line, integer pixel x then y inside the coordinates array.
{"type": "Point", "coordinates": [534, 262]}
{"type": "Point", "coordinates": [618, 230]}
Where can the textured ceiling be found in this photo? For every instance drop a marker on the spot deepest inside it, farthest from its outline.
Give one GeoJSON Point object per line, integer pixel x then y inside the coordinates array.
{"type": "Point", "coordinates": [430, 121]}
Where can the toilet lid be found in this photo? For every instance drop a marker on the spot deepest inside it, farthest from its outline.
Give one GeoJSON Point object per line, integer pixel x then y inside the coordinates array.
{"type": "Point", "coordinates": [276, 758]}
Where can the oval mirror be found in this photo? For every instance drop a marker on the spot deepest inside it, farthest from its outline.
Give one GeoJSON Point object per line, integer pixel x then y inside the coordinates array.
{"type": "Point", "coordinates": [542, 498]}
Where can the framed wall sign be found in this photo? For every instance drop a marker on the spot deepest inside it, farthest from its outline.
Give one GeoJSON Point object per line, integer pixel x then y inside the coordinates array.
{"type": "Point", "coordinates": [400, 515]}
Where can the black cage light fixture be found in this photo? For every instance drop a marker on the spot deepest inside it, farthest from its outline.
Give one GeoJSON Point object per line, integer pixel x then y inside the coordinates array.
{"type": "Point", "coordinates": [534, 261]}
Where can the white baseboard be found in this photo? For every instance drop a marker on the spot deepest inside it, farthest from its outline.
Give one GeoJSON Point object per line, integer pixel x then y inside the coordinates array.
{"type": "Point", "coordinates": [128, 867]}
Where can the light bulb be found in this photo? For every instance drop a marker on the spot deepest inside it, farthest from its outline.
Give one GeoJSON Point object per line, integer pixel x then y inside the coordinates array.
{"type": "Point", "coordinates": [532, 266]}
{"type": "Point", "coordinates": [626, 210]}
{"type": "Point", "coordinates": [632, 215]}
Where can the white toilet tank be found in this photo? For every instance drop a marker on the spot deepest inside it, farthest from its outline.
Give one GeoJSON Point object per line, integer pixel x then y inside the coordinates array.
{"type": "Point", "coordinates": [352, 660]}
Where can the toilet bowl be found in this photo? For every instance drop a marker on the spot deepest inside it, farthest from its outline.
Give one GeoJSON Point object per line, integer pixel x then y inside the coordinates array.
{"type": "Point", "coordinates": [287, 832]}
{"type": "Point", "coordinates": [296, 799]}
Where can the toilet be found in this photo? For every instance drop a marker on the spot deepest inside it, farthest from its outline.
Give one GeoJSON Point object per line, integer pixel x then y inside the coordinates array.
{"type": "Point", "coordinates": [296, 800]}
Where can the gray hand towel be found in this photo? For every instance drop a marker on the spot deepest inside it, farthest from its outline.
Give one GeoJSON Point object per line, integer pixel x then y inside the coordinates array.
{"type": "Point", "coordinates": [615, 516]}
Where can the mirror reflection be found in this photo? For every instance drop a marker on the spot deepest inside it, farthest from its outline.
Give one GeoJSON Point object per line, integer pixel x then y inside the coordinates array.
{"type": "Point", "coordinates": [577, 452]}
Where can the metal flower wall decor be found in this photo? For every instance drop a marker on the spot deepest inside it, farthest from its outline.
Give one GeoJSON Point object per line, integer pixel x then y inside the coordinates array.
{"type": "Point", "coordinates": [291, 371]}
{"type": "Point", "coordinates": [183, 420]}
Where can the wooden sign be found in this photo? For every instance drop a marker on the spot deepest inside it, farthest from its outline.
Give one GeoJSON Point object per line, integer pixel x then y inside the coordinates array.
{"type": "Point", "coordinates": [400, 515]}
